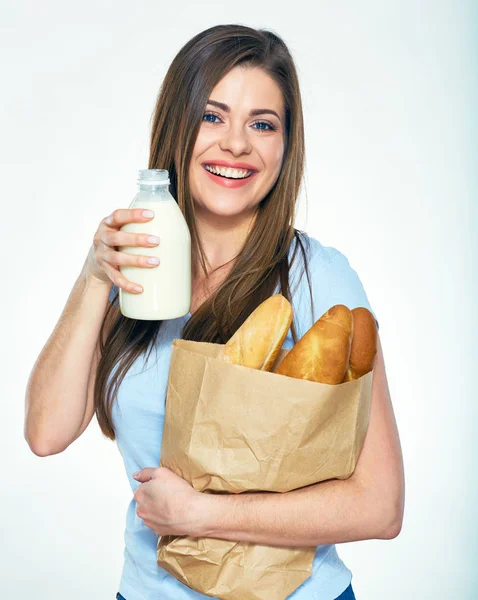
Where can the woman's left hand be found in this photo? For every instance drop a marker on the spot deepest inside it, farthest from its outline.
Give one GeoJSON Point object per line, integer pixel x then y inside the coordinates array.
{"type": "Point", "coordinates": [168, 504]}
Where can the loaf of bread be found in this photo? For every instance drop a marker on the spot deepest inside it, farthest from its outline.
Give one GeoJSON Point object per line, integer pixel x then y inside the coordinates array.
{"type": "Point", "coordinates": [364, 344]}
{"type": "Point", "coordinates": [339, 347]}
{"type": "Point", "coordinates": [322, 354]}
{"type": "Point", "coordinates": [258, 340]}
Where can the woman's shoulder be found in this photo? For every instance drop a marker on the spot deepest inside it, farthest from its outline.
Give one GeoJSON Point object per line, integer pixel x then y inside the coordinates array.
{"type": "Point", "coordinates": [317, 255]}
{"type": "Point", "coordinates": [333, 280]}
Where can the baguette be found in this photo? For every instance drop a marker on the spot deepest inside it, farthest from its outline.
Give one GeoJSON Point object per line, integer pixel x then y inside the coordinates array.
{"type": "Point", "coordinates": [322, 354]}
{"type": "Point", "coordinates": [364, 344]}
{"type": "Point", "coordinates": [258, 340]}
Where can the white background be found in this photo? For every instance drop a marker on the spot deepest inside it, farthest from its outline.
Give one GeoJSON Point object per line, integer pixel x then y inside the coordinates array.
{"type": "Point", "coordinates": [389, 90]}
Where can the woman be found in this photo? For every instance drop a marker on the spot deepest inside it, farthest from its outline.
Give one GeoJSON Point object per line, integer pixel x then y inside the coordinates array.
{"type": "Point", "coordinates": [230, 100]}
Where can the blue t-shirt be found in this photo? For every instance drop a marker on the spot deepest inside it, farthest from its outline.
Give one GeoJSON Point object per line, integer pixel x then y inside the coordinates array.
{"type": "Point", "coordinates": [138, 418]}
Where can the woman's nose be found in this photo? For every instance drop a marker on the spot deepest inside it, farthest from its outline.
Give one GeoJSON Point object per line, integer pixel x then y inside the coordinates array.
{"type": "Point", "coordinates": [236, 140]}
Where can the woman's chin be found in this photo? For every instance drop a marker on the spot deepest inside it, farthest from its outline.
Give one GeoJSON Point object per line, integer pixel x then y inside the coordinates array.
{"type": "Point", "coordinates": [224, 209]}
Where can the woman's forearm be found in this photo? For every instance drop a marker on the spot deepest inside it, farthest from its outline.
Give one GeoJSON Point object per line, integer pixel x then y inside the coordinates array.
{"type": "Point", "coordinates": [329, 512]}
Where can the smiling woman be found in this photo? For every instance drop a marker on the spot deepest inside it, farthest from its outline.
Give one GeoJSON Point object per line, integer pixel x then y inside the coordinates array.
{"type": "Point", "coordinates": [228, 127]}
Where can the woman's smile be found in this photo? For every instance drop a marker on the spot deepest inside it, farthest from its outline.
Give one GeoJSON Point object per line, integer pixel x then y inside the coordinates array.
{"type": "Point", "coordinates": [229, 180]}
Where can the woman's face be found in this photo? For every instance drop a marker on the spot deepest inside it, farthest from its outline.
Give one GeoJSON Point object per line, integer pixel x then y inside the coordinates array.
{"type": "Point", "coordinates": [230, 136]}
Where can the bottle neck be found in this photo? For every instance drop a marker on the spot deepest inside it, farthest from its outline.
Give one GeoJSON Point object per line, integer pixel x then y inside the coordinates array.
{"type": "Point", "coordinates": [161, 189]}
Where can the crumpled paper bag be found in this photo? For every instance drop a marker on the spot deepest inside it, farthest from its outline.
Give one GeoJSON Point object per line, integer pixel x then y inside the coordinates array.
{"type": "Point", "coordinates": [233, 429]}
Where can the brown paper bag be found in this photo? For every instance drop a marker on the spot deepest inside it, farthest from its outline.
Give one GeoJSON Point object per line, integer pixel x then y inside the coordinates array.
{"type": "Point", "coordinates": [229, 428]}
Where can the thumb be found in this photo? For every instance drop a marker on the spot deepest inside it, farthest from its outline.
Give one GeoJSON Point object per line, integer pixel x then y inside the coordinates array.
{"type": "Point", "coordinates": [144, 475]}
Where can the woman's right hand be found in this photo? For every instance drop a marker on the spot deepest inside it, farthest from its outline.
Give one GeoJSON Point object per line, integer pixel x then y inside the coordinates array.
{"type": "Point", "coordinates": [103, 258]}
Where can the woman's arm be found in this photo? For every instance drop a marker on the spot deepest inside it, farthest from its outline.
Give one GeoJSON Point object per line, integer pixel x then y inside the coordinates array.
{"type": "Point", "coordinates": [59, 393]}
{"type": "Point", "coordinates": [367, 505]}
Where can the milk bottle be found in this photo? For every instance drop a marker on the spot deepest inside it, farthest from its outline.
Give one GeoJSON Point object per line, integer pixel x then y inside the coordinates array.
{"type": "Point", "coordinates": [166, 288]}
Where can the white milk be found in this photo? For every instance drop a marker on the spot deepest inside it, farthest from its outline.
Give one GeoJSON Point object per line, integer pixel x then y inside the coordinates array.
{"type": "Point", "coordinates": [167, 287]}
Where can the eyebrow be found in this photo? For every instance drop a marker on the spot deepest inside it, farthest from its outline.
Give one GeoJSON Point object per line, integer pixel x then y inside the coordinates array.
{"type": "Point", "coordinates": [253, 113]}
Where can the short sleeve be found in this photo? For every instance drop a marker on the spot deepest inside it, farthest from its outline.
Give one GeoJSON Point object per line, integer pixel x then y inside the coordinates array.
{"type": "Point", "coordinates": [336, 282]}
{"type": "Point", "coordinates": [113, 292]}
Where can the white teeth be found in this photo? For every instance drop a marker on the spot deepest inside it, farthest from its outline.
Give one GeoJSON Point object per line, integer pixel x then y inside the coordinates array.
{"type": "Point", "coordinates": [228, 172]}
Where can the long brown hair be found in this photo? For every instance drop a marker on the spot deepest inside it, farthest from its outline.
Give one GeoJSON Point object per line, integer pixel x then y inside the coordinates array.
{"type": "Point", "coordinates": [263, 261]}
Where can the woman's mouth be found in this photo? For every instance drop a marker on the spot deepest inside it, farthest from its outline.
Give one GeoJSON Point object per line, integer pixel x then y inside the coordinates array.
{"type": "Point", "coordinates": [226, 177]}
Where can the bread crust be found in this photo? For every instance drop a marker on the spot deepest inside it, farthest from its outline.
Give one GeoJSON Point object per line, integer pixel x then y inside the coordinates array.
{"type": "Point", "coordinates": [364, 344]}
{"type": "Point", "coordinates": [322, 354]}
{"type": "Point", "coordinates": [259, 339]}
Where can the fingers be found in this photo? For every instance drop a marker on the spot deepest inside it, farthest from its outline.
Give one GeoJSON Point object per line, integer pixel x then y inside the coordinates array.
{"type": "Point", "coordinates": [121, 216]}
{"type": "Point", "coordinates": [110, 238]}
{"type": "Point", "coordinates": [115, 239]}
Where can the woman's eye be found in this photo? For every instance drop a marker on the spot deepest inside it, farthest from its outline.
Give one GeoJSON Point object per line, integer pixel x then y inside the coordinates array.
{"type": "Point", "coordinates": [210, 115]}
{"type": "Point", "coordinates": [270, 127]}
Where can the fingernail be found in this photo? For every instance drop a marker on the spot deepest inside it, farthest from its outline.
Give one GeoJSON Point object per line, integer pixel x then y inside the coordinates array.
{"type": "Point", "coordinates": [136, 474]}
